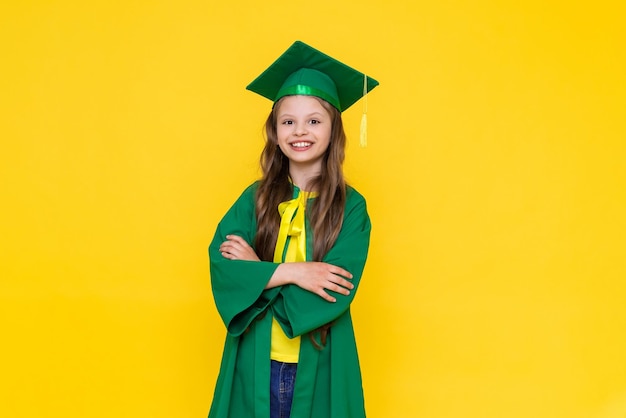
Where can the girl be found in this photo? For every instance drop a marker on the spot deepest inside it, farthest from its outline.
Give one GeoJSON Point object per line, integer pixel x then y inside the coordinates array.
{"type": "Point", "coordinates": [287, 258]}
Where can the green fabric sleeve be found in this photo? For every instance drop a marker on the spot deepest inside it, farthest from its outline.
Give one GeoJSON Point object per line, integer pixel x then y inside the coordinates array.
{"type": "Point", "coordinates": [299, 311]}
{"type": "Point", "coordinates": [239, 286]}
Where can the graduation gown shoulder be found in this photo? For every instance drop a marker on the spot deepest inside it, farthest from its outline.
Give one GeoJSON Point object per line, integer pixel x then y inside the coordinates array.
{"type": "Point", "coordinates": [328, 381]}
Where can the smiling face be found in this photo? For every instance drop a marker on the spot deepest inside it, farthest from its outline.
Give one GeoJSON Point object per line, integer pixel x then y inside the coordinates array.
{"type": "Point", "coordinates": [303, 128]}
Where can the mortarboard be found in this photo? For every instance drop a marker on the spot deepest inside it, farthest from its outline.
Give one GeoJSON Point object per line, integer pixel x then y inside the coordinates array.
{"type": "Point", "coordinates": [303, 70]}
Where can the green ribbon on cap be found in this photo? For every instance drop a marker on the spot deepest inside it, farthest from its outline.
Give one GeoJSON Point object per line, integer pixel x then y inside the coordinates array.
{"type": "Point", "coordinates": [301, 90]}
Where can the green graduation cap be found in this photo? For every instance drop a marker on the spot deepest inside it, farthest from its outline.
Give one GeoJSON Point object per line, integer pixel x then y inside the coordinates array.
{"type": "Point", "coordinates": [303, 70]}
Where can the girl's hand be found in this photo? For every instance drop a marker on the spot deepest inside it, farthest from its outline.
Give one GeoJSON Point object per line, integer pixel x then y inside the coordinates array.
{"type": "Point", "coordinates": [317, 277]}
{"type": "Point", "coordinates": [236, 248]}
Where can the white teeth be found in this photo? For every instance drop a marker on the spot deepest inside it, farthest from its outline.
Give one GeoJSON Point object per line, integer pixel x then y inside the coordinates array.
{"type": "Point", "coordinates": [301, 144]}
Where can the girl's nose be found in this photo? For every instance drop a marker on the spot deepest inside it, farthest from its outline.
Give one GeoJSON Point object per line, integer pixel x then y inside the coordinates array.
{"type": "Point", "coordinates": [300, 129]}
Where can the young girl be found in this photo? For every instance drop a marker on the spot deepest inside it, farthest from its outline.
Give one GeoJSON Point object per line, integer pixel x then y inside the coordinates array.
{"type": "Point", "coordinates": [287, 258]}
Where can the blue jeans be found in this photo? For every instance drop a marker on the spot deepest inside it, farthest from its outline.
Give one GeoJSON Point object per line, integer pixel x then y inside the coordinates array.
{"type": "Point", "coordinates": [282, 382]}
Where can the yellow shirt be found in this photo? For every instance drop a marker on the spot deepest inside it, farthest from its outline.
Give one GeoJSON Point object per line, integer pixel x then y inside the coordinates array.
{"type": "Point", "coordinates": [292, 233]}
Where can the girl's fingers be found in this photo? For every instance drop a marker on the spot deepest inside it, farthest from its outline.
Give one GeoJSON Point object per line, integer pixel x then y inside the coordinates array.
{"type": "Point", "coordinates": [237, 248]}
{"type": "Point", "coordinates": [338, 288]}
{"type": "Point", "coordinates": [231, 247]}
{"type": "Point", "coordinates": [326, 296]}
{"type": "Point", "coordinates": [340, 272]}
{"type": "Point", "coordinates": [232, 243]}
{"type": "Point", "coordinates": [342, 290]}
{"type": "Point", "coordinates": [343, 283]}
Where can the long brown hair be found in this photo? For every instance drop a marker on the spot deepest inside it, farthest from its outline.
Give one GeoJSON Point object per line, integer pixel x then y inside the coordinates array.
{"type": "Point", "coordinates": [325, 213]}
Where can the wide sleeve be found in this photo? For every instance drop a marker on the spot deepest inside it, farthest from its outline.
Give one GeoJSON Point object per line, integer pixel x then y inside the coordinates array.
{"type": "Point", "coordinates": [299, 311]}
{"type": "Point", "coordinates": [239, 286]}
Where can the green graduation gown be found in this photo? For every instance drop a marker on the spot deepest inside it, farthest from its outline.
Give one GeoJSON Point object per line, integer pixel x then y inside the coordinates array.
{"type": "Point", "coordinates": [328, 381]}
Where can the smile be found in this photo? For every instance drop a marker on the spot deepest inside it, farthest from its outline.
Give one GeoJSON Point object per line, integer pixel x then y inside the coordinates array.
{"type": "Point", "coordinates": [301, 144]}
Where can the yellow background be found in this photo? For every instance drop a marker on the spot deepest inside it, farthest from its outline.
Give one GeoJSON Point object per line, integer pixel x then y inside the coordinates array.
{"type": "Point", "coordinates": [494, 174]}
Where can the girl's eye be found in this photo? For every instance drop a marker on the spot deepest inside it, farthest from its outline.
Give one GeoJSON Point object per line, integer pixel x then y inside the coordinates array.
{"type": "Point", "coordinates": [314, 122]}
{"type": "Point", "coordinates": [287, 122]}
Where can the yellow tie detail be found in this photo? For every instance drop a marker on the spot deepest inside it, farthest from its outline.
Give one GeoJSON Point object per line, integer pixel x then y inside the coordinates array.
{"type": "Point", "coordinates": [292, 218]}
{"type": "Point", "coordinates": [292, 233]}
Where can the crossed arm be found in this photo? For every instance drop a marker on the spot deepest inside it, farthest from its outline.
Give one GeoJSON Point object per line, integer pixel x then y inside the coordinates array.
{"type": "Point", "coordinates": [315, 277]}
